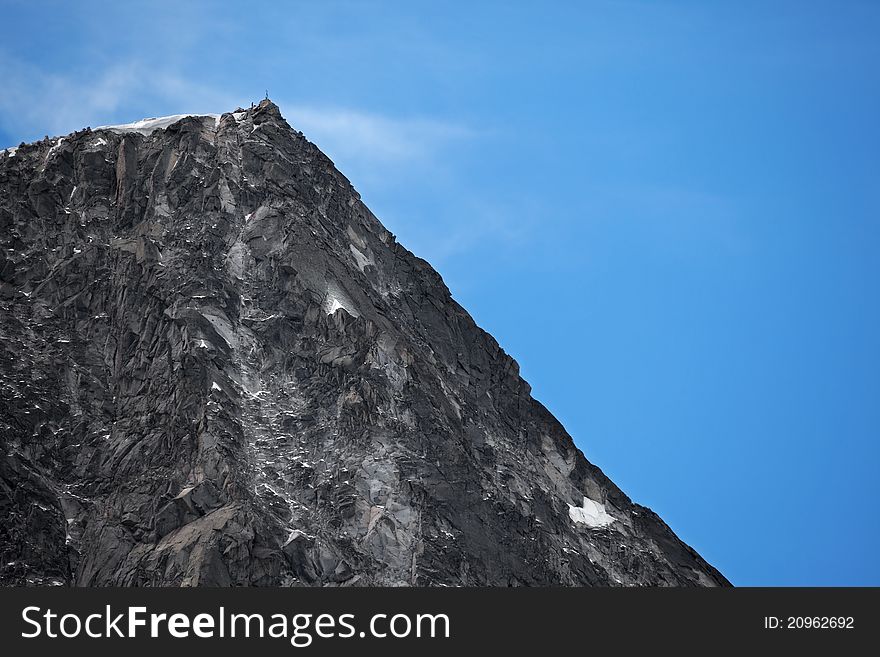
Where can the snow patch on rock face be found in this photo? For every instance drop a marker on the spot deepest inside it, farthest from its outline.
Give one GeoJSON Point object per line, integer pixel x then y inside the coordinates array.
{"type": "Point", "coordinates": [10, 152]}
{"type": "Point", "coordinates": [591, 514]}
{"type": "Point", "coordinates": [336, 299]}
{"type": "Point", "coordinates": [333, 304]}
{"type": "Point", "coordinates": [147, 126]}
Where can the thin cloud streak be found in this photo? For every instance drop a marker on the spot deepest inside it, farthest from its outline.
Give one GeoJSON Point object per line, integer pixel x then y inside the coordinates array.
{"type": "Point", "coordinates": [35, 102]}
{"type": "Point", "coordinates": [356, 134]}
{"type": "Point", "coordinates": [378, 152]}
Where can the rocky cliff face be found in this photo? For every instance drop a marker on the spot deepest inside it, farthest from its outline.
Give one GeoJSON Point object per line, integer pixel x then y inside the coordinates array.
{"type": "Point", "coordinates": [218, 368]}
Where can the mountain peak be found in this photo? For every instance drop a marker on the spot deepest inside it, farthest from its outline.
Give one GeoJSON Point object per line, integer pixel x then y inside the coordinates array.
{"type": "Point", "coordinates": [268, 106]}
{"type": "Point", "coordinates": [221, 369]}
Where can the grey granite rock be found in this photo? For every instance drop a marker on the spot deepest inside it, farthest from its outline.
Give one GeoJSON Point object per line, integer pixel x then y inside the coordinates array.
{"type": "Point", "coordinates": [218, 368]}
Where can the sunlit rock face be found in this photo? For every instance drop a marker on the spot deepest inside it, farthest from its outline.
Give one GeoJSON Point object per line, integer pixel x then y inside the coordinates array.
{"type": "Point", "coordinates": [218, 368]}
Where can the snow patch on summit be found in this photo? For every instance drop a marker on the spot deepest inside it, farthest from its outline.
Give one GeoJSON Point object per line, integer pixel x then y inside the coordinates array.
{"type": "Point", "coordinates": [147, 126]}
{"type": "Point", "coordinates": [54, 148]}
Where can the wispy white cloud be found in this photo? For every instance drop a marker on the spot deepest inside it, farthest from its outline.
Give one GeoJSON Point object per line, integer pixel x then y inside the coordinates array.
{"type": "Point", "coordinates": [36, 102]}
{"type": "Point", "coordinates": [381, 153]}
{"type": "Point", "coordinates": [358, 135]}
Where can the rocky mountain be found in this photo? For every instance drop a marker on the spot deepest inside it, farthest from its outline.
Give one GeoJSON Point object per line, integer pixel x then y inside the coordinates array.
{"type": "Point", "coordinates": [218, 368]}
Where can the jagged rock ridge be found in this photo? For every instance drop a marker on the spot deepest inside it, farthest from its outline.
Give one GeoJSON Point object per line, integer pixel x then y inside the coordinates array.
{"type": "Point", "coordinates": [218, 368]}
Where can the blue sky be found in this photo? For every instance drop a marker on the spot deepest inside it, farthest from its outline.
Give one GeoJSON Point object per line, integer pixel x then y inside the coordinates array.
{"type": "Point", "coordinates": [667, 212]}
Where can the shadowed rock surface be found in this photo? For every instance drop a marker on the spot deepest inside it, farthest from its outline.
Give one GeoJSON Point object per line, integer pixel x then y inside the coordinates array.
{"type": "Point", "coordinates": [218, 368]}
